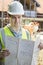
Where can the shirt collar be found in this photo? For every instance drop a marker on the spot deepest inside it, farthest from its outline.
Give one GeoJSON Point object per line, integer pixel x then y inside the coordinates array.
{"type": "Point", "coordinates": [16, 34]}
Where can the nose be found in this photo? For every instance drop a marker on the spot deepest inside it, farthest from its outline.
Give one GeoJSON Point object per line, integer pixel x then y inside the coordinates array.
{"type": "Point", "coordinates": [17, 19]}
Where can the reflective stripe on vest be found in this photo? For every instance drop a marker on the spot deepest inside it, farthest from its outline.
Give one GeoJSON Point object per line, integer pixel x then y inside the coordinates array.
{"type": "Point", "coordinates": [1, 42]}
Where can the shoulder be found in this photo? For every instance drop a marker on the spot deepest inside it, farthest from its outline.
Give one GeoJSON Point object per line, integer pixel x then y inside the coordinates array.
{"type": "Point", "coordinates": [7, 26]}
{"type": "Point", "coordinates": [1, 32]}
{"type": "Point", "coordinates": [28, 32]}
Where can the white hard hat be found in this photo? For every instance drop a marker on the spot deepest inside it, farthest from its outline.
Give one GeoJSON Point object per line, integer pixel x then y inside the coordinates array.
{"type": "Point", "coordinates": [15, 8]}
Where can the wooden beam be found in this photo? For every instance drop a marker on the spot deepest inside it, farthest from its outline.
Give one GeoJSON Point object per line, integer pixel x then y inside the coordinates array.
{"type": "Point", "coordinates": [34, 19]}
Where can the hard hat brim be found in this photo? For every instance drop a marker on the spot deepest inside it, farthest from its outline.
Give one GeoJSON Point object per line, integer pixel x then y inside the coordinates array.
{"type": "Point", "coordinates": [15, 13]}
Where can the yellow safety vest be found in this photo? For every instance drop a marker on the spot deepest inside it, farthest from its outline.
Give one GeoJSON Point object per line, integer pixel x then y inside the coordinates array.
{"type": "Point", "coordinates": [9, 33]}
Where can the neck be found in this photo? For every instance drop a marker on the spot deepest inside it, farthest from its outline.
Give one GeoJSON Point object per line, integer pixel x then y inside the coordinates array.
{"type": "Point", "coordinates": [16, 29]}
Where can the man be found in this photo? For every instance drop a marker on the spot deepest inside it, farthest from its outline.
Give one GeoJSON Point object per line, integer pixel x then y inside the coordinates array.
{"type": "Point", "coordinates": [15, 12]}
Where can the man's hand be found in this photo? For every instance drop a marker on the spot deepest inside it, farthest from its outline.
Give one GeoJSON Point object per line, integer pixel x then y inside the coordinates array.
{"type": "Point", "coordinates": [4, 53]}
{"type": "Point", "coordinates": [40, 46]}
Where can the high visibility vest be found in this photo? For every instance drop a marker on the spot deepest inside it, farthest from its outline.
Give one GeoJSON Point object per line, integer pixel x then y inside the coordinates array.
{"type": "Point", "coordinates": [9, 33]}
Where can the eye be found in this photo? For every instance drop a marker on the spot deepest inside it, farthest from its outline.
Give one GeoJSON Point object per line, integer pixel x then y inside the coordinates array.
{"type": "Point", "coordinates": [13, 17]}
{"type": "Point", "coordinates": [18, 16]}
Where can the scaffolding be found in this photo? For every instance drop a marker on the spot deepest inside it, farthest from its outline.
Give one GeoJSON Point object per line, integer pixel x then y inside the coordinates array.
{"type": "Point", "coordinates": [30, 12]}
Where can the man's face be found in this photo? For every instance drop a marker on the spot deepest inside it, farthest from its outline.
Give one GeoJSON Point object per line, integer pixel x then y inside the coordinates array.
{"type": "Point", "coordinates": [16, 21]}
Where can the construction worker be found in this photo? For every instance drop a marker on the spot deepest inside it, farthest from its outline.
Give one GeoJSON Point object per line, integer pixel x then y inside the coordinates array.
{"type": "Point", "coordinates": [15, 12]}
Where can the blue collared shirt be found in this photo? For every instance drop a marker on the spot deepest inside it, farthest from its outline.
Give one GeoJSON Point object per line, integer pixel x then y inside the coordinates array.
{"type": "Point", "coordinates": [17, 34]}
